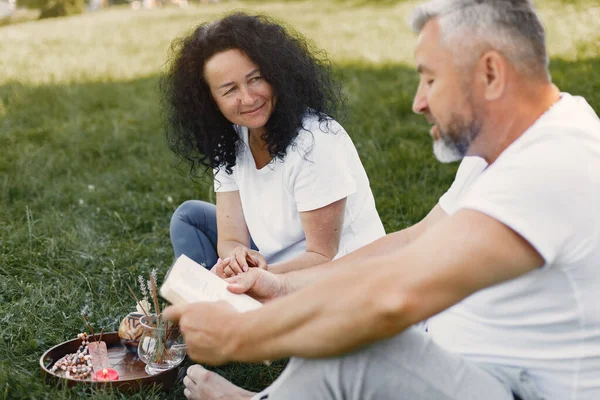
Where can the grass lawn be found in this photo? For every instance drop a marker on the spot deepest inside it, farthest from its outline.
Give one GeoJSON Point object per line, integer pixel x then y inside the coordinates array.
{"type": "Point", "coordinates": [87, 183]}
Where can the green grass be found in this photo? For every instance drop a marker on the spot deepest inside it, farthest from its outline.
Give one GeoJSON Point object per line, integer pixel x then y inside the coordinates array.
{"type": "Point", "coordinates": [86, 179]}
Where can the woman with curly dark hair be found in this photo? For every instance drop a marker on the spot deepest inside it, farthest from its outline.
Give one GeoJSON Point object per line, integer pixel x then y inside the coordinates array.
{"type": "Point", "coordinates": [249, 99]}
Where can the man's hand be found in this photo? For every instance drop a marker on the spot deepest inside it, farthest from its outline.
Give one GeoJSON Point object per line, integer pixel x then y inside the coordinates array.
{"type": "Point", "coordinates": [240, 260]}
{"type": "Point", "coordinates": [259, 284]}
{"type": "Point", "coordinates": [205, 327]}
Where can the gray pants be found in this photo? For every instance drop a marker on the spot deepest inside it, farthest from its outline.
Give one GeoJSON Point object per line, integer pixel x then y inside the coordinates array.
{"type": "Point", "coordinates": [409, 366]}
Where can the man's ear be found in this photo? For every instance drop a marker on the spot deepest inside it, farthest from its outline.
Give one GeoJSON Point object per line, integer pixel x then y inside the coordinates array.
{"type": "Point", "coordinates": [492, 70]}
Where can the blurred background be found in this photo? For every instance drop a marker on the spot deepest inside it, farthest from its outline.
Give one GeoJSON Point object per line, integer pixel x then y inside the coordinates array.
{"type": "Point", "coordinates": [88, 185]}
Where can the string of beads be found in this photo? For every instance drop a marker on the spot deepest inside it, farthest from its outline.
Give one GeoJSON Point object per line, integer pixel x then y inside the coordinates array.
{"type": "Point", "coordinates": [76, 365]}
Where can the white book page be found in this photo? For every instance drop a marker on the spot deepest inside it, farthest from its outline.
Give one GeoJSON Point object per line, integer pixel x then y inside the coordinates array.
{"type": "Point", "coordinates": [189, 282]}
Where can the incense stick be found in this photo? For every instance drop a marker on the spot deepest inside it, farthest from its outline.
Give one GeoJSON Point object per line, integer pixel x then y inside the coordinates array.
{"type": "Point", "coordinates": [90, 326]}
{"type": "Point", "coordinates": [137, 301]}
{"type": "Point", "coordinates": [154, 296]}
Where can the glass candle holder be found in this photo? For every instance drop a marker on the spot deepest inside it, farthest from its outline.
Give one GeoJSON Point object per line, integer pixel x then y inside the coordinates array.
{"type": "Point", "coordinates": [161, 345]}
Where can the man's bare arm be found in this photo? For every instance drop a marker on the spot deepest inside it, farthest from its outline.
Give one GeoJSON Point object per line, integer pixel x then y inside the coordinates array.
{"type": "Point", "coordinates": [372, 299]}
{"type": "Point", "coordinates": [388, 244]}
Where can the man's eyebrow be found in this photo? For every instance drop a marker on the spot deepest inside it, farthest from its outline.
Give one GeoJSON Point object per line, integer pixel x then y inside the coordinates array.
{"type": "Point", "coordinates": [423, 69]}
{"type": "Point", "coordinates": [249, 74]}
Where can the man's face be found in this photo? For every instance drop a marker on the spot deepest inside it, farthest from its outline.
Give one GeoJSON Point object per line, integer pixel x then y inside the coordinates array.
{"type": "Point", "coordinates": [444, 96]}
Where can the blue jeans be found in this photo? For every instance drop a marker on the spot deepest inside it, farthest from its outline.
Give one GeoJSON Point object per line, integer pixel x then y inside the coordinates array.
{"type": "Point", "coordinates": [194, 232]}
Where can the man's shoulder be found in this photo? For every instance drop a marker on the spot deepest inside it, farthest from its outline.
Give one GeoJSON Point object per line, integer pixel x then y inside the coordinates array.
{"type": "Point", "coordinates": [566, 136]}
{"type": "Point", "coordinates": [571, 118]}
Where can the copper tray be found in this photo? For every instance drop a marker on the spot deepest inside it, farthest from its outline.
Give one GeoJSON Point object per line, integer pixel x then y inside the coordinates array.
{"type": "Point", "coordinates": [132, 376]}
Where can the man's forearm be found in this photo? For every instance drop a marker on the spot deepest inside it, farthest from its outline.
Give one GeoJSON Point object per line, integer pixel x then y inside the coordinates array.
{"type": "Point", "coordinates": [295, 280]}
{"type": "Point", "coordinates": [305, 260]}
{"type": "Point", "coordinates": [386, 245]}
{"type": "Point", "coordinates": [322, 326]}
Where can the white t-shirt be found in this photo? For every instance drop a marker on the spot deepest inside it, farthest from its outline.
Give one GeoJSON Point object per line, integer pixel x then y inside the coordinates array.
{"type": "Point", "coordinates": [546, 187]}
{"type": "Point", "coordinates": [321, 166]}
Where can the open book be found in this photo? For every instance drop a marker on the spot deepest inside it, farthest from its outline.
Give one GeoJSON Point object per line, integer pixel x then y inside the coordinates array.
{"type": "Point", "coordinates": [189, 282]}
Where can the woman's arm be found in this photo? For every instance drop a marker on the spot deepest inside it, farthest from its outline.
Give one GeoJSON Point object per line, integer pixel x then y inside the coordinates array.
{"type": "Point", "coordinates": [323, 229]}
{"type": "Point", "coordinates": [231, 224]}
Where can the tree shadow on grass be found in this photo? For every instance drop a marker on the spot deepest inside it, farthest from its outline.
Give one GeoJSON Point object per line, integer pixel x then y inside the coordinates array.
{"type": "Point", "coordinates": [88, 187]}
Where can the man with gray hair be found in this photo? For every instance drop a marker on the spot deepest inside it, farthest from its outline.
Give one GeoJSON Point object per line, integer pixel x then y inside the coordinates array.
{"type": "Point", "coordinates": [505, 270]}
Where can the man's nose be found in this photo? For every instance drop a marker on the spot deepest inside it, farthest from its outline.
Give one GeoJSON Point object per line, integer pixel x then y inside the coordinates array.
{"type": "Point", "coordinates": [420, 104]}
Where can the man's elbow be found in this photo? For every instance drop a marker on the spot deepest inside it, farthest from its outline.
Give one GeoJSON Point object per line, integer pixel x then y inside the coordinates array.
{"type": "Point", "coordinates": [396, 310]}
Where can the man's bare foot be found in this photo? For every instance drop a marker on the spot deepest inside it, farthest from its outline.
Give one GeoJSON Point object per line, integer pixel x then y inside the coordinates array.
{"type": "Point", "coordinates": [201, 384]}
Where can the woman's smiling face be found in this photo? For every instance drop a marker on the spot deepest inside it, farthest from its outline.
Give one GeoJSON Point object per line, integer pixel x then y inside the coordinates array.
{"type": "Point", "coordinates": [243, 96]}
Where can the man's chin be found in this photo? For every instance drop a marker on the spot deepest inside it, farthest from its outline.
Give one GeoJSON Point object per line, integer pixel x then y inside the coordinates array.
{"type": "Point", "coordinates": [444, 153]}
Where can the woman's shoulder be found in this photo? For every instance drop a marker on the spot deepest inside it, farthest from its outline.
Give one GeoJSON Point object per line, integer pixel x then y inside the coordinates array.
{"type": "Point", "coordinates": [320, 123]}
{"type": "Point", "coordinates": [317, 129]}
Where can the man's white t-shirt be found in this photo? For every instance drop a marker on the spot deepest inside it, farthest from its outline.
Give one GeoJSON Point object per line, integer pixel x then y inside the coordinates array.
{"type": "Point", "coordinates": [321, 166]}
{"type": "Point", "coordinates": [546, 187]}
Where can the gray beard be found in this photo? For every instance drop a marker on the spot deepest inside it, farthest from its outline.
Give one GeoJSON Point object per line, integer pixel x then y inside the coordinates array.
{"type": "Point", "coordinates": [446, 152]}
{"type": "Point", "coordinates": [454, 144]}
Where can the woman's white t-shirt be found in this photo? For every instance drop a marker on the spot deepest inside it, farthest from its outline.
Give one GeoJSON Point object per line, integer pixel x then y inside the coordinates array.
{"type": "Point", "coordinates": [321, 166]}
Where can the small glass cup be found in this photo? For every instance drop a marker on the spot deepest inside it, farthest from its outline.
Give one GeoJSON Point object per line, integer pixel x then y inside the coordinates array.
{"type": "Point", "coordinates": [161, 347]}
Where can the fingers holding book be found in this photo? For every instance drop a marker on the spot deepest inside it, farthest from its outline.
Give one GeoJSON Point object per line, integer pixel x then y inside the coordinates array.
{"type": "Point", "coordinates": [204, 326]}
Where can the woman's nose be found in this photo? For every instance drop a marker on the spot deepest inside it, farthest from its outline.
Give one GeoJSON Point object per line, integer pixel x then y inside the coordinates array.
{"type": "Point", "coordinates": [247, 97]}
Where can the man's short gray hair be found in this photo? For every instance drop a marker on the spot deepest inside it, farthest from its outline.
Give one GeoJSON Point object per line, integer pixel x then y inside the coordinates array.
{"type": "Point", "coordinates": [511, 27]}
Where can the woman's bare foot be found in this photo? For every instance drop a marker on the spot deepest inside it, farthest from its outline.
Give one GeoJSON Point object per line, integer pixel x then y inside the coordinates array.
{"type": "Point", "coordinates": [201, 384]}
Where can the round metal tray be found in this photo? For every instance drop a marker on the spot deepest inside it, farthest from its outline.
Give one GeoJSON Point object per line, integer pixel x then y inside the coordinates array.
{"type": "Point", "coordinates": [132, 375]}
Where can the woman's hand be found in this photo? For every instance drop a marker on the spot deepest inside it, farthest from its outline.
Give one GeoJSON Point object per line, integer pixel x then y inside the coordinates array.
{"type": "Point", "coordinates": [241, 259]}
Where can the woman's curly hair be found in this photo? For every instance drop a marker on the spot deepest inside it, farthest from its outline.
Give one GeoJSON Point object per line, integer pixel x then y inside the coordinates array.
{"type": "Point", "coordinates": [301, 79]}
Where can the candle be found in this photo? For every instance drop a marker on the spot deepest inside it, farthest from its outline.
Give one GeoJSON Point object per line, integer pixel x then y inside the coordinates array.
{"type": "Point", "coordinates": [106, 374]}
